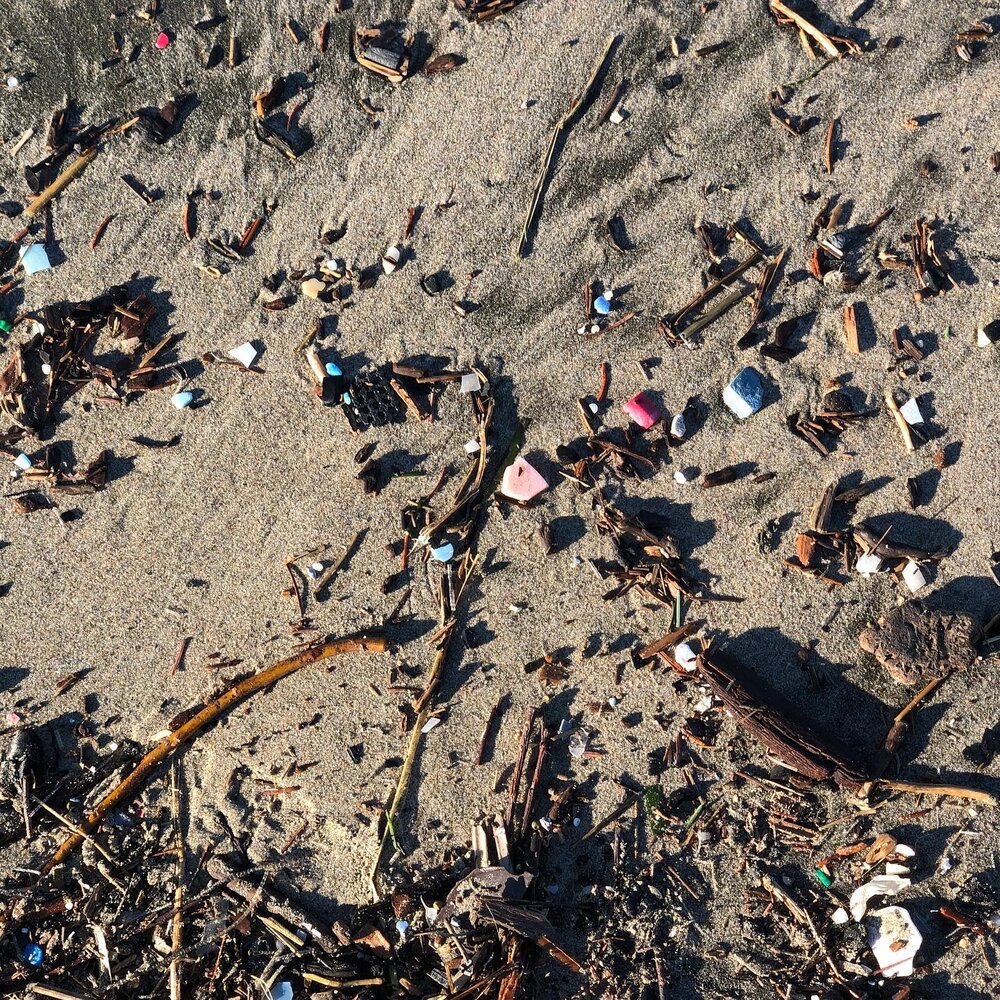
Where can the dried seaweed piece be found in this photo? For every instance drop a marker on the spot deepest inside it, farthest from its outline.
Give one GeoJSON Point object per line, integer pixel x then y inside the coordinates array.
{"type": "Point", "coordinates": [486, 10]}
{"type": "Point", "coordinates": [289, 142]}
{"type": "Point", "coordinates": [443, 64]}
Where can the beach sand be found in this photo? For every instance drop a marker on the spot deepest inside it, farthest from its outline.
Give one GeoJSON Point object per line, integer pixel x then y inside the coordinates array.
{"type": "Point", "coordinates": [191, 541]}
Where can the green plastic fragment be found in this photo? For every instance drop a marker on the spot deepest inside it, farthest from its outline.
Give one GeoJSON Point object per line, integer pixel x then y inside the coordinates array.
{"type": "Point", "coordinates": [823, 878]}
{"type": "Point", "coordinates": [5, 325]}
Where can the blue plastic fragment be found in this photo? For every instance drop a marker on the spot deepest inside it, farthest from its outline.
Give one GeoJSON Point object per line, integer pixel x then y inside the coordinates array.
{"type": "Point", "coordinates": [333, 369]}
{"type": "Point", "coordinates": [745, 394]}
{"type": "Point", "coordinates": [33, 954]}
{"type": "Point", "coordinates": [443, 553]}
{"type": "Point", "coordinates": [602, 305]}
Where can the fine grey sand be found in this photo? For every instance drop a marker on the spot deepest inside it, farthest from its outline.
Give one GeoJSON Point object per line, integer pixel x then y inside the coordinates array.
{"type": "Point", "coordinates": [191, 541]}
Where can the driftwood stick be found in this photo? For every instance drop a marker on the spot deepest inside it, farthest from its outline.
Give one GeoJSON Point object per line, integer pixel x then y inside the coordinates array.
{"type": "Point", "coordinates": [810, 29]}
{"type": "Point", "coordinates": [904, 427]}
{"type": "Point", "coordinates": [169, 745]}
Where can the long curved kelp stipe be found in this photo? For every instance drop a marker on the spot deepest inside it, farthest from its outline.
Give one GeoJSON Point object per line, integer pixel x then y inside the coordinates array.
{"type": "Point", "coordinates": [167, 747]}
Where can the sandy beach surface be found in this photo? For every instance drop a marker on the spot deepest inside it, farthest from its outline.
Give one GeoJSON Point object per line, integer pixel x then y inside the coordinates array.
{"type": "Point", "coordinates": [190, 542]}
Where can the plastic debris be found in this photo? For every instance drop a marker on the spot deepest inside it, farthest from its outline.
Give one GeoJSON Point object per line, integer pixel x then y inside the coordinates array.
{"type": "Point", "coordinates": [23, 462]}
{"type": "Point", "coordinates": [868, 564]}
{"type": "Point", "coordinates": [333, 267]}
{"type": "Point", "coordinates": [33, 954]}
{"type": "Point", "coordinates": [883, 885]}
{"type": "Point", "coordinates": [245, 354]}
{"type": "Point", "coordinates": [162, 41]}
{"type": "Point", "coordinates": [602, 305]}
{"type": "Point", "coordinates": [182, 400]}
{"type": "Point", "coordinates": [892, 868]}
{"type": "Point", "coordinates": [745, 394]}
{"type": "Point", "coordinates": [683, 475]}
{"type": "Point", "coordinates": [34, 259]}
{"type": "Point", "coordinates": [913, 577]}
{"type": "Point", "coordinates": [471, 447]}
{"type": "Point", "coordinates": [911, 412]}
{"type": "Point", "coordinates": [281, 991]}
{"type": "Point", "coordinates": [678, 427]}
{"type": "Point", "coordinates": [13, 83]}
{"type": "Point", "coordinates": [822, 877]}
{"type": "Point", "coordinates": [313, 287]}
{"type": "Point", "coordinates": [443, 553]}
{"type": "Point", "coordinates": [685, 655]}
{"type": "Point", "coordinates": [642, 410]}
{"type": "Point", "coordinates": [432, 723]}
{"type": "Point", "coordinates": [333, 370]}
{"type": "Point", "coordinates": [840, 916]}
{"type": "Point", "coordinates": [5, 325]}
{"type": "Point", "coordinates": [522, 481]}
{"type": "Point", "coordinates": [988, 334]}
{"type": "Point", "coordinates": [390, 259]}
{"type": "Point", "coordinates": [616, 117]}
{"type": "Point", "coordinates": [470, 382]}
{"type": "Point", "coordinates": [894, 940]}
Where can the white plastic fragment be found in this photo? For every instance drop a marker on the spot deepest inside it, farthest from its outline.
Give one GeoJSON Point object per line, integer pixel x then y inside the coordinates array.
{"type": "Point", "coordinates": [182, 400]}
{"type": "Point", "coordinates": [685, 655]}
{"type": "Point", "coordinates": [313, 287]}
{"type": "Point", "coordinates": [23, 462]}
{"type": "Point", "coordinates": [470, 383]}
{"type": "Point", "coordinates": [616, 117]}
{"type": "Point", "coordinates": [314, 570]}
{"type": "Point", "coordinates": [840, 916]}
{"type": "Point", "coordinates": [904, 850]}
{"type": "Point", "coordinates": [432, 723]}
{"type": "Point", "coordinates": [471, 447]}
{"type": "Point", "coordinates": [34, 259]}
{"type": "Point", "coordinates": [683, 476]}
{"type": "Point", "coordinates": [913, 577]}
{"type": "Point", "coordinates": [911, 412]}
{"type": "Point", "coordinates": [390, 259]}
{"type": "Point", "coordinates": [868, 563]}
{"type": "Point", "coordinates": [333, 267]}
{"type": "Point", "coordinates": [894, 940]}
{"type": "Point", "coordinates": [245, 354]}
{"type": "Point", "coordinates": [13, 83]}
{"type": "Point", "coordinates": [678, 426]}
{"type": "Point", "coordinates": [892, 868]}
{"type": "Point", "coordinates": [883, 885]}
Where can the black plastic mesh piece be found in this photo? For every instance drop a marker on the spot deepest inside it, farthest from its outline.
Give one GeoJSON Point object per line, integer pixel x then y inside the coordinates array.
{"type": "Point", "coordinates": [373, 401]}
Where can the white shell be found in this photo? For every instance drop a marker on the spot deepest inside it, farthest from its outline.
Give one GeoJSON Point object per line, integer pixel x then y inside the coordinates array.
{"type": "Point", "coordinates": [390, 259]}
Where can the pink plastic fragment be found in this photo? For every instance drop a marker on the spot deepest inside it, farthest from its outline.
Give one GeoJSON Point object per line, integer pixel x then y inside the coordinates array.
{"type": "Point", "coordinates": [643, 410]}
{"type": "Point", "coordinates": [162, 40]}
{"type": "Point", "coordinates": [522, 481]}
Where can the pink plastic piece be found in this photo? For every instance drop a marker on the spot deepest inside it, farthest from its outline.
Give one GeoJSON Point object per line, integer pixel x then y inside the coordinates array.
{"type": "Point", "coordinates": [162, 40]}
{"type": "Point", "coordinates": [522, 481]}
{"type": "Point", "coordinates": [643, 410]}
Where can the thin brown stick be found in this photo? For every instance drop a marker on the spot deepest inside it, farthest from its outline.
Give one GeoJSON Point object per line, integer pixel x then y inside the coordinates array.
{"type": "Point", "coordinates": [177, 923]}
{"type": "Point", "coordinates": [564, 123]}
{"type": "Point", "coordinates": [53, 190]}
{"type": "Point", "coordinates": [169, 745]}
{"type": "Point", "coordinates": [921, 788]}
{"type": "Point", "coordinates": [828, 146]}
